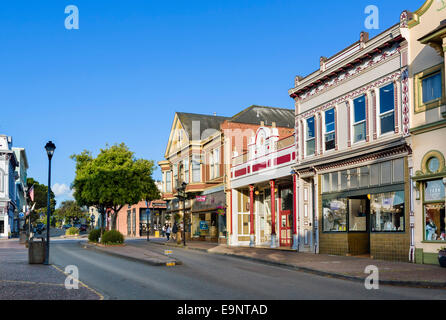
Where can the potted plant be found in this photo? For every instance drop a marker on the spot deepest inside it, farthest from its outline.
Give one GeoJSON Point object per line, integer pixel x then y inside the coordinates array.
{"type": "Point", "coordinates": [442, 257]}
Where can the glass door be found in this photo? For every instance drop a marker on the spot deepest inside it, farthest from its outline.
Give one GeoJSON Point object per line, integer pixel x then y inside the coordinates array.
{"type": "Point", "coordinates": [286, 216]}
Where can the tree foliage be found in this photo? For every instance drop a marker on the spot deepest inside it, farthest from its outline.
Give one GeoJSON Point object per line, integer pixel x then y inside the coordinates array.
{"type": "Point", "coordinates": [70, 210]}
{"type": "Point", "coordinates": [113, 179]}
{"type": "Point", "coordinates": [40, 195]}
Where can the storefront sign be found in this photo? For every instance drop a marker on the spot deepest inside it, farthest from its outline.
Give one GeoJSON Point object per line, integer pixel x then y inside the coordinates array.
{"type": "Point", "coordinates": [201, 198]}
{"type": "Point", "coordinates": [204, 225]}
{"type": "Point", "coordinates": [434, 191]}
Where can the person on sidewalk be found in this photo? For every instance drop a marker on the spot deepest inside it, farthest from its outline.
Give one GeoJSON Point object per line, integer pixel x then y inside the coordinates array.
{"type": "Point", "coordinates": [163, 231]}
{"type": "Point", "coordinates": [174, 231]}
{"type": "Point", "coordinates": [168, 231]}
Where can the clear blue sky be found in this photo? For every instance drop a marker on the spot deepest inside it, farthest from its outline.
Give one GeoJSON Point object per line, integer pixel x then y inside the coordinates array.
{"type": "Point", "coordinates": [132, 64]}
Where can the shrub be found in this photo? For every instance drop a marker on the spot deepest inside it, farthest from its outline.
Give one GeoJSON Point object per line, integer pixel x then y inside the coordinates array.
{"type": "Point", "coordinates": [72, 231]}
{"type": "Point", "coordinates": [112, 237]}
{"type": "Point", "coordinates": [94, 235]}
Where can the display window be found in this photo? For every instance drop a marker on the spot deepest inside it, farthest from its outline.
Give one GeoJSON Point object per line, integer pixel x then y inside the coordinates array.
{"type": "Point", "coordinates": [334, 215]}
{"type": "Point", "coordinates": [387, 212]}
{"type": "Point", "coordinates": [434, 211]}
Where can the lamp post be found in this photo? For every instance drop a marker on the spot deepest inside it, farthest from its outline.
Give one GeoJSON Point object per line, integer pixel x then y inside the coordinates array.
{"type": "Point", "coordinates": [49, 147]}
{"type": "Point", "coordinates": [182, 195]}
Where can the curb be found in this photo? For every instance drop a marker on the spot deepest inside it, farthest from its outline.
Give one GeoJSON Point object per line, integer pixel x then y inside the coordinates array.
{"type": "Point", "coordinates": [151, 262]}
{"type": "Point", "coordinates": [400, 283]}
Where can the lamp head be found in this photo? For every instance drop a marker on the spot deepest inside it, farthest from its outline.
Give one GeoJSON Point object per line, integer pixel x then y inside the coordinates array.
{"type": "Point", "coordinates": [50, 147]}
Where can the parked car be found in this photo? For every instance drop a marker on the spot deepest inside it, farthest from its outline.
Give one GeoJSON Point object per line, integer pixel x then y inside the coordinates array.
{"type": "Point", "coordinates": [67, 226]}
{"type": "Point", "coordinates": [83, 227]}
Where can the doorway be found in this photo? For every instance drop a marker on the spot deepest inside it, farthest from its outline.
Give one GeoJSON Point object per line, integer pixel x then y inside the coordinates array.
{"type": "Point", "coordinates": [286, 216]}
{"type": "Point", "coordinates": [359, 222]}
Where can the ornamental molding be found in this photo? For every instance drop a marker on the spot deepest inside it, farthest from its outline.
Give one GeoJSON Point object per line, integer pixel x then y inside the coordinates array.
{"type": "Point", "coordinates": [350, 96]}
{"type": "Point", "coordinates": [352, 73]}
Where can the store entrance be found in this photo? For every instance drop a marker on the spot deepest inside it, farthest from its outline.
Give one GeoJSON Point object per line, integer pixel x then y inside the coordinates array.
{"type": "Point", "coordinates": [359, 221]}
{"type": "Point", "coordinates": [286, 216]}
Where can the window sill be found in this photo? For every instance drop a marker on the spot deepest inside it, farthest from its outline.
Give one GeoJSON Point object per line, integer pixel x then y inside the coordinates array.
{"type": "Point", "coordinates": [439, 242]}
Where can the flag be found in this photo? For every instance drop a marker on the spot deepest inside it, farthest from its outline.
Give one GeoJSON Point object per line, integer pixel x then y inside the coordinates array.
{"type": "Point", "coordinates": [31, 193]}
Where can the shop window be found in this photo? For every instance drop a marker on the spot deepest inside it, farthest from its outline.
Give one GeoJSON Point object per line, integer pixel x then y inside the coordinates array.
{"type": "Point", "coordinates": [374, 174]}
{"type": "Point", "coordinates": [387, 108]}
{"type": "Point", "coordinates": [359, 125]}
{"type": "Point", "coordinates": [311, 137]}
{"type": "Point", "coordinates": [434, 210]}
{"type": "Point", "coordinates": [2, 226]}
{"type": "Point", "coordinates": [330, 134]}
{"type": "Point", "coordinates": [364, 177]}
{"type": "Point", "coordinates": [129, 222]}
{"type": "Point", "coordinates": [286, 196]}
{"type": "Point", "coordinates": [334, 215]}
{"type": "Point", "coordinates": [334, 181]}
{"type": "Point", "coordinates": [432, 87]}
{"type": "Point", "coordinates": [357, 218]}
{"type": "Point", "coordinates": [134, 221]}
{"type": "Point", "coordinates": [344, 180]}
{"type": "Point", "coordinates": [326, 184]}
{"type": "Point", "coordinates": [354, 179]}
{"type": "Point", "coordinates": [386, 172]}
{"type": "Point", "coordinates": [387, 212]}
{"type": "Point", "coordinates": [398, 170]}
{"type": "Point", "coordinates": [435, 222]}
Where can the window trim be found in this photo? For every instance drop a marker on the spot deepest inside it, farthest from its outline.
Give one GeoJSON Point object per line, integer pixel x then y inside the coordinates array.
{"type": "Point", "coordinates": [381, 115]}
{"type": "Point", "coordinates": [354, 124]}
{"type": "Point", "coordinates": [310, 139]}
{"type": "Point", "coordinates": [418, 90]}
{"type": "Point", "coordinates": [329, 132]}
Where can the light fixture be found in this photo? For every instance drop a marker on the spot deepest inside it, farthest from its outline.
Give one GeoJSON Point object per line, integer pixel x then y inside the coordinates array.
{"type": "Point", "coordinates": [50, 147]}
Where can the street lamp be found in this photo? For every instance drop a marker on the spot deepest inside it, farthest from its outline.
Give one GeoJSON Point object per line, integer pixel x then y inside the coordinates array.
{"type": "Point", "coordinates": [49, 147]}
{"type": "Point", "coordinates": [182, 195]}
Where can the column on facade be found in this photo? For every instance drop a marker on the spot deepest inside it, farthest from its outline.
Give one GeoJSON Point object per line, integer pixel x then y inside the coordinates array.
{"type": "Point", "coordinates": [367, 117]}
{"type": "Point", "coordinates": [349, 125]}
{"type": "Point", "coordinates": [272, 184]}
{"type": "Point", "coordinates": [374, 115]}
{"type": "Point", "coordinates": [295, 213]}
{"type": "Point", "coordinates": [396, 92]}
{"type": "Point", "coordinates": [251, 216]}
{"type": "Point", "coordinates": [444, 59]}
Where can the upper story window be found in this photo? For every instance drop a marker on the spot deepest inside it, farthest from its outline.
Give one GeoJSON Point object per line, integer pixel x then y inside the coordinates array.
{"type": "Point", "coordinates": [169, 181]}
{"type": "Point", "coordinates": [215, 163]}
{"type": "Point", "coordinates": [311, 136]}
{"type": "Point", "coordinates": [330, 134]}
{"type": "Point", "coordinates": [196, 168]}
{"type": "Point", "coordinates": [432, 89]}
{"type": "Point", "coordinates": [186, 170]}
{"type": "Point", "coordinates": [359, 125]}
{"type": "Point", "coordinates": [175, 175]}
{"type": "Point", "coordinates": [387, 108]}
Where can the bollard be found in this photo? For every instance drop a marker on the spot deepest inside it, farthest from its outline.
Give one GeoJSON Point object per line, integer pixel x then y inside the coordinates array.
{"type": "Point", "coordinates": [36, 251]}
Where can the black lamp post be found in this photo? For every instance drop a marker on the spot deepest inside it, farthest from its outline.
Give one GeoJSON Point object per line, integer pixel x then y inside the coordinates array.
{"type": "Point", "coordinates": [182, 195]}
{"type": "Point", "coordinates": [49, 147]}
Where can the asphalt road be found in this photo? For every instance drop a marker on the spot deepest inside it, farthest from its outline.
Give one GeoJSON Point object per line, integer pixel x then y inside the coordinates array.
{"type": "Point", "coordinates": [206, 276]}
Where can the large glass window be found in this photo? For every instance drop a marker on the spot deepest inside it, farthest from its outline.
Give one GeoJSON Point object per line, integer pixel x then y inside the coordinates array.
{"type": "Point", "coordinates": [169, 181]}
{"type": "Point", "coordinates": [311, 136]}
{"type": "Point", "coordinates": [434, 191]}
{"type": "Point", "coordinates": [359, 125]}
{"type": "Point", "coordinates": [334, 215]}
{"type": "Point", "coordinates": [330, 134]}
{"type": "Point", "coordinates": [387, 212]}
{"type": "Point", "coordinates": [357, 215]}
{"type": "Point", "coordinates": [432, 87]}
{"type": "Point", "coordinates": [387, 108]}
{"type": "Point", "coordinates": [434, 222]}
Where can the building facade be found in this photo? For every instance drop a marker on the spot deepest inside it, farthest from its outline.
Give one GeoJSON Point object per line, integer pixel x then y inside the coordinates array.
{"type": "Point", "coordinates": [8, 204]}
{"type": "Point", "coordinates": [352, 163]}
{"type": "Point", "coordinates": [21, 186]}
{"type": "Point", "coordinates": [425, 32]}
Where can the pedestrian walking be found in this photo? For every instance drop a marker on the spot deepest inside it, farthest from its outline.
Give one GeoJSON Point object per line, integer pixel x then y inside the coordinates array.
{"type": "Point", "coordinates": [163, 231]}
{"type": "Point", "coordinates": [168, 231]}
{"type": "Point", "coordinates": [174, 231]}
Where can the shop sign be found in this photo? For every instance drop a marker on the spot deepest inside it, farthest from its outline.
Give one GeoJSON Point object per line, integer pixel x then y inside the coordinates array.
{"type": "Point", "coordinates": [204, 225]}
{"type": "Point", "coordinates": [200, 198]}
{"type": "Point", "coordinates": [434, 191]}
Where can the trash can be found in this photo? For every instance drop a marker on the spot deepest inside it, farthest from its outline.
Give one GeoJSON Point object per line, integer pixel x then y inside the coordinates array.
{"type": "Point", "coordinates": [23, 237]}
{"type": "Point", "coordinates": [157, 234]}
{"type": "Point", "coordinates": [36, 251]}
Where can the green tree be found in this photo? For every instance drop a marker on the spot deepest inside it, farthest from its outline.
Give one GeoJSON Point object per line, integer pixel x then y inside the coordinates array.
{"type": "Point", "coordinates": [69, 210]}
{"type": "Point", "coordinates": [113, 179]}
{"type": "Point", "coordinates": [40, 200]}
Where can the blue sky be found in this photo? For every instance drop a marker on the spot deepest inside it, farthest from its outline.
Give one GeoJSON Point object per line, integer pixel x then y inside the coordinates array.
{"type": "Point", "coordinates": [133, 64]}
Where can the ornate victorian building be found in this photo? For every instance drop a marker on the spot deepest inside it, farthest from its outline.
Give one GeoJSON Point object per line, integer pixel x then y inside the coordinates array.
{"type": "Point", "coordinates": [425, 32]}
{"type": "Point", "coordinates": [352, 158]}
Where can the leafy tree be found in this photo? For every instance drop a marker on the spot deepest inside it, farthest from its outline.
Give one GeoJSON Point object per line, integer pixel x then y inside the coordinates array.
{"type": "Point", "coordinates": [69, 210]}
{"type": "Point", "coordinates": [113, 179]}
{"type": "Point", "coordinates": [40, 199]}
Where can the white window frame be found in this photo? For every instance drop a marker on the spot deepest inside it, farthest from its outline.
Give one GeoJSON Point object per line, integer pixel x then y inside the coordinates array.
{"type": "Point", "coordinates": [354, 124]}
{"type": "Point", "coordinates": [307, 140]}
{"type": "Point", "coordinates": [329, 132]}
{"type": "Point", "coordinates": [381, 115]}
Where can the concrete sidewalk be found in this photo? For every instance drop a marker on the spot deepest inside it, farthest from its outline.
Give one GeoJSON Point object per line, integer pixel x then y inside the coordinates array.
{"type": "Point", "coordinates": [134, 253]}
{"type": "Point", "coordinates": [351, 268]}
{"type": "Point", "coordinates": [22, 281]}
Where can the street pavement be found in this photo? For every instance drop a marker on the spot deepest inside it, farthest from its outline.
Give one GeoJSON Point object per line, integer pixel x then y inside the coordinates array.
{"type": "Point", "coordinates": [204, 276]}
{"type": "Point", "coordinates": [22, 281]}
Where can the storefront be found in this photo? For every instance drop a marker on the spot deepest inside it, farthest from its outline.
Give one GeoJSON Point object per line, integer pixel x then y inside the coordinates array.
{"type": "Point", "coordinates": [209, 217]}
{"type": "Point", "coordinates": [365, 211]}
